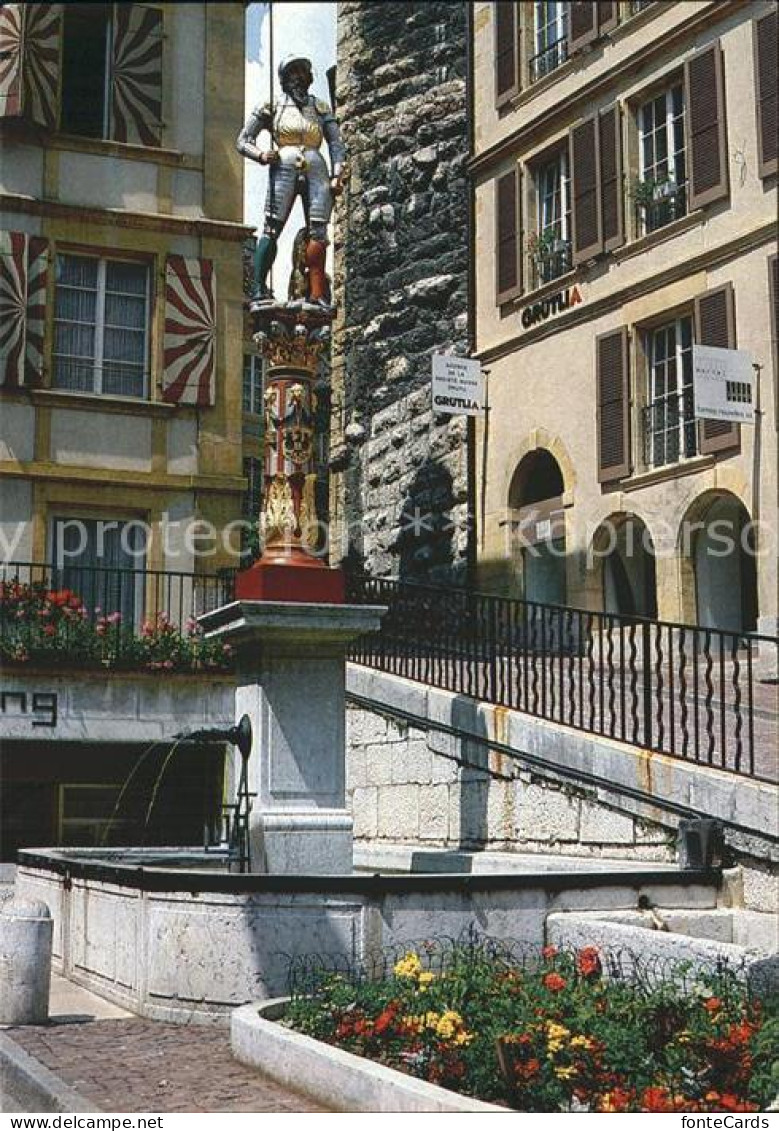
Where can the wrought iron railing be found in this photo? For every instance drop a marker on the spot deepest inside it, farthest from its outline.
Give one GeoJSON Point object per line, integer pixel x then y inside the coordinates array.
{"type": "Point", "coordinates": [551, 264]}
{"type": "Point", "coordinates": [654, 214]}
{"type": "Point", "coordinates": [548, 60]}
{"type": "Point", "coordinates": [137, 595]}
{"type": "Point", "coordinates": [685, 690]}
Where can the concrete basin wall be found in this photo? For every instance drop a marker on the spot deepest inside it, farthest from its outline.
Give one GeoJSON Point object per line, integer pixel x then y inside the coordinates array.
{"type": "Point", "coordinates": [192, 945]}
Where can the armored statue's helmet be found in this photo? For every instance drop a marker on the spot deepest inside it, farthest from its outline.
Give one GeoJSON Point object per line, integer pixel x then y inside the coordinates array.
{"type": "Point", "coordinates": [288, 62]}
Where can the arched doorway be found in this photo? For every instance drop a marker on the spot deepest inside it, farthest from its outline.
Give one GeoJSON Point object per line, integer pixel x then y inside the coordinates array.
{"type": "Point", "coordinates": [721, 546]}
{"type": "Point", "coordinates": [625, 548]}
{"type": "Point", "coordinates": [536, 500]}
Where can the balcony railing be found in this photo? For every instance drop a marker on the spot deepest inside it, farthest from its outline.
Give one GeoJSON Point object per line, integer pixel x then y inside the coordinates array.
{"type": "Point", "coordinates": [549, 59]}
{"type": "Point", "coordinates": [550, 263]}
{"type": "Point", "coordinates": [660, 207]}
{"type": "Point", "coordinates": [686, 690]}
{"type": "Point", "coordinates": [89, 614]}
{"type": "Point", "coordinates": [669, 430]}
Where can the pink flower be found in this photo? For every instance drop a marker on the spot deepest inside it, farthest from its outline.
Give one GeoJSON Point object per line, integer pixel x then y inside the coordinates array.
{"type": "Point", "coordinates": [114, 618]}
{"type": "Point", "coordinates": [49, 630]}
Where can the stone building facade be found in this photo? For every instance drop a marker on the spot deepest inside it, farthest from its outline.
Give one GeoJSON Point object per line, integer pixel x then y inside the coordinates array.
{"type": "Point", "coordinates": [399, 492]}
{"type": "Point", "coordinates": [624, 180]}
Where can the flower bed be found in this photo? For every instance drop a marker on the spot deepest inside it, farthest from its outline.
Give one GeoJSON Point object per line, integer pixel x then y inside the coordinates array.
{"type": "Point", "coordinates": [41, 625]}
{"type": "Point", "coordinates": [554, 1033]}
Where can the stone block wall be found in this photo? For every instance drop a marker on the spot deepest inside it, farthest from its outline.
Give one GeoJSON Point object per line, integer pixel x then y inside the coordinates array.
{"type": "Point", "coordinates": [399, 495]}
{"type": "Point", "coordinates": [409, 786]}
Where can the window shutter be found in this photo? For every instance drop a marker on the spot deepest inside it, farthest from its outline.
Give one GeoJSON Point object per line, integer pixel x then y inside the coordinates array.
{"type": "Point", "coordinates": [715, 325]}
{"type": "Point", "coordinates": [608, 16]}
{"type": "Point", "coordinates": [190, 331]}
{"type": "Point", "coordinates": [507, 53]}
{"type": "Point", "coordinates": [583, 24]}
{"type": "Point", "coordinates": [508, 249]}
{"type": "Point", "coordinates": [585, 191]}
{"type": "Point", "coordinates": [136, 96]}
{"type": "Point", "coordinates": [765, 49]}
{"type": "Point", "coordinates": [707, 161]}
{"type": "Point", "coordinates": [30, 40]}
{"type": "Point", "coordinates": [613, 406]}
{"type": "Point", "coordinates": [610, 140]}
{"type": "Point", "coordinates": [23, 270]}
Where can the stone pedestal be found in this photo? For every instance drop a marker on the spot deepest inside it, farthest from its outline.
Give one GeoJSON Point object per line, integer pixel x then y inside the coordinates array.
{"type": "Point", "coordinates": [291, 673]}
{"type": "Point", "coordinates": [25, 962]}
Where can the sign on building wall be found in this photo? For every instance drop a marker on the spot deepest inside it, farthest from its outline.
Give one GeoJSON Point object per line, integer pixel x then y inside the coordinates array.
{"type": "Point", "coordinates": [458, 385]}
{"type": "Point", "coordinates": [723, 384]}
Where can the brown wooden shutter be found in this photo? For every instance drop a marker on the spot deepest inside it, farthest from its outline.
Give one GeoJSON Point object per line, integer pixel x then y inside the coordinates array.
{"type": "Point", "coordinates": [30, 45]}
{"type": "Point", "coordinates": [608, 16]}
{"type": "Point", "coordinates": [765, 50]}
{"type": "Point", "coordinates": [610, 140]}
{"type": "Point", "coordinates": [136, 94]}
{"type": "Point", "coordinates": [707, 149]}
{"type": "Point", "coordinates": [773, 294]}
{"type": "Point", "coordinates": [582, 25]}
{"type": "Point", "coordinates": [507, 53]}
{"type": "Point", "coordinates": [613, 405]}
{"type": "Point", "coordinates": [508, 249]}
{"type": "Point", "coordinates": [585, 190]}
{"type": "Point", "coordinates": [715, 325]}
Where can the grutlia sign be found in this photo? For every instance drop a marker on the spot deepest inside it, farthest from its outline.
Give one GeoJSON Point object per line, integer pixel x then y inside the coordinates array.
{"type": "Point", "coordinates": [548, 307]}
{"type": "Point", "coordinates": [458, 385]}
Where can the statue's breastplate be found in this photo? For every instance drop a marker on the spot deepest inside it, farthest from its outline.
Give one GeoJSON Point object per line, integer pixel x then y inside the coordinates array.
{"type": "Point", "coordinates": [294, 126]}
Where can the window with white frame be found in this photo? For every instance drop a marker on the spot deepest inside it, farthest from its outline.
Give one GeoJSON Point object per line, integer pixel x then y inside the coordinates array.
{"type": "Point", "coordinates": [551, 245]}
{"type": "Point", "coordinates": [550, 37]}
{"type": "Point", "coordinates": [252, 383]}
{"type": "Point", "coordinates": [670, 431]}
{"type": "Point", "coordinates": [661, 194]}
{"type": "Point", "coordinates": [101, 326]}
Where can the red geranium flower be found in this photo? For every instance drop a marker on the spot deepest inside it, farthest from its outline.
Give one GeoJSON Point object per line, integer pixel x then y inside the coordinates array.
{"type": "Point", "coordinates": [712, 1004]}
{"type": "Point", "coordinates": [588, 962]}
{"type": "Point", "coordinates": [554, 982]}
{"type": "Point", "coordinates": [548, 952]}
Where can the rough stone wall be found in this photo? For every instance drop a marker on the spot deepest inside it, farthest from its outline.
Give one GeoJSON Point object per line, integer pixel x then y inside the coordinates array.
{"type": "Point", "coordinates": [399, 500]}
{"type": "Point", "coordinates": [408, 786]}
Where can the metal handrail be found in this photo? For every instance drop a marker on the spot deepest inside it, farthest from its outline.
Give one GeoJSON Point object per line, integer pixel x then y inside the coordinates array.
{"type": "Point", "coordinates": [687, 690]}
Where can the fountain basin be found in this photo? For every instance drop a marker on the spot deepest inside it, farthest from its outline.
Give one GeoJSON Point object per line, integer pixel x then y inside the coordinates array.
{"type": "Point", "coordinates": [185, 943]}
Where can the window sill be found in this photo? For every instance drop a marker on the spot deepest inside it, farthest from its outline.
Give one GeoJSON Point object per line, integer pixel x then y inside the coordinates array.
{"type": "Point", "coordinates": [105, 146]}
{"type": "Point", "coordinates": [654, 239]}
{"type": "Point", "coordinates": [669, 471]}
{"type": "Point", "coordinates": [532, 89]}
{"type": "Point", "coordinates": [97, 402]}
{"type": "Point", "coordinates": [538, 294]}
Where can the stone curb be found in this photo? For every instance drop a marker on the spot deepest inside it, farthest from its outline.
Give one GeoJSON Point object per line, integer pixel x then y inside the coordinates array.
{"type": "Point", "coordinates": [337, 1079]}
{"type": "Point", "coordinates": [40, 1081]}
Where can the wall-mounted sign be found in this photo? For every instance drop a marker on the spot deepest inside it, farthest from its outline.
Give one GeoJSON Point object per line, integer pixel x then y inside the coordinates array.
{"type": "Point", "coordinates": [723, 384]}
{"type": "Point", "coordinates": [458, 385]}
{"type": "Point", "coordinates": [548, 307]}
{"type": "Point", "coordinates": [42, 704]}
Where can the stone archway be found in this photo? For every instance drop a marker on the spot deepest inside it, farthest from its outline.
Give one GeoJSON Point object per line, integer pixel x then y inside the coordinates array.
{"type": "Point", "coordinates": [717, 550]}
{"type": "Point", "coordinates": [623, 555]}
{"type": "Point", "coordinates": [538, 547]}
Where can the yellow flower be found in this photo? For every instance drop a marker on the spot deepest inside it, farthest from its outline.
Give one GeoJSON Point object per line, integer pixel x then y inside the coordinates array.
{"type": "Point", "coordinates": [554, 1046]}
{"type": "Point", "coordinates": [425, 978]}
{"type": "Point", "coordinates": [684, 1037]}
{"type": "Point", "coordinates": [564, 1073]}
{"type": "Point", "coordinates": [557, 1032]}
{"type": "Point", "coordinates": [409, 966]}
{"type": "Point", "coordinates": [463, 1038]}
{"type": "Point", "coordinates": [581, 1042]}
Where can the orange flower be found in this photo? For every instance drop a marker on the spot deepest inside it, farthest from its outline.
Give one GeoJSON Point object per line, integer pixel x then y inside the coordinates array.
{"type": "Point", "coordinates": [548, 952]}
{"type": "Point", "coordinates": [712, 1004]}
{"type": "Point", "coordinates": [554, 982]}
{"type": "Point", "coordinates": [588, 962]}
{"type": "Point", "coordinates": [657, 1099]}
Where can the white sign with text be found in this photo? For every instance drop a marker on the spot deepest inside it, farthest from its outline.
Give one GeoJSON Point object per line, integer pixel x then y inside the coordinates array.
{"type": "Point", "coordinates": [723, 384]}
{"type": "Point", "coordinates": [458, 385]}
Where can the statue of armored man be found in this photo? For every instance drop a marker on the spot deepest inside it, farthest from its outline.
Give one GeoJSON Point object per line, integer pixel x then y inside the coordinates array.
{"type": "Point", "coordinates": [297, 127]}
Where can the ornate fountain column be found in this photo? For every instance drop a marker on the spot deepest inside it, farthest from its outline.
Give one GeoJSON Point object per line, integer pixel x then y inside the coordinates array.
{"type": "Point", "coordinates": [291, 339]}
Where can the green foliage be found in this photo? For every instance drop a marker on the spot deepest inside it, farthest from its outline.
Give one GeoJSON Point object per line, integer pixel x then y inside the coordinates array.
{"type": "Point", "coordinates": [555, 1034]}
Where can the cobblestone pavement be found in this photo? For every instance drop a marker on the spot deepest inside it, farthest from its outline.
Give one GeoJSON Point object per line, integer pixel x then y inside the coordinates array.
{"type": "Point", "coordinates": [135, 1065]}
